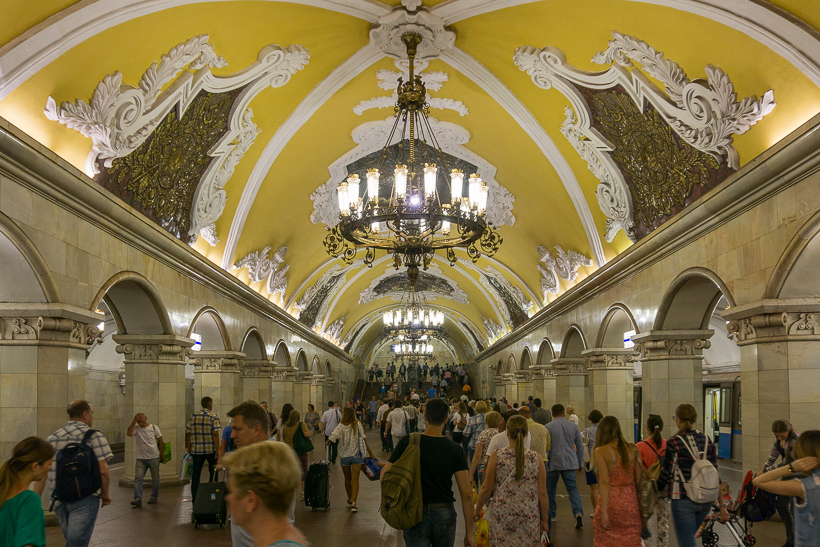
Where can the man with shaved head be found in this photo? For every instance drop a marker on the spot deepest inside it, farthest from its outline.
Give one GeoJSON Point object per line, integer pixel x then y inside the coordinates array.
{"type": "Point", "coordinates": [148, 447]}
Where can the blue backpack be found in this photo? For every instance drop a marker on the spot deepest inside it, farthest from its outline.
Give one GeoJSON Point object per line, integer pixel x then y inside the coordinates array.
{"type": "Point", "coordinates": [78, 471]}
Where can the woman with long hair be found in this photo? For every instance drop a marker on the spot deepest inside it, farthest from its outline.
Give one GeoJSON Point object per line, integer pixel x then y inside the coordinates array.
{"type": "Point", "coordinates": [785, 440]}
{"type": "Point", "coordinates": [283, 418]}
{"type": "Point", "coordinates": [22, 521]}
{"type": "Point", "coordinates": [312, 420]}
{"type": "Point", "coordinates": [495, 425]}
{"type": "Point", "coordinates": [619, 476]}
{"type": "Point", "coordinates": [352, 447]}
{"type": "Point", "coordinates": [517, 481]}
{"type": "Point", "coordinates": [475, 425]}
{"type": "Point", "coordinates": [261, 486]}
{"type": "Point", "coordinates": [288, 432]}
{"type": "Point", "coordinates": [459, 422]}
{"type": "Point", "coordinates": [687, 515]}
{"type": "Point", "coordinates": [805, 489]}
{"type": "Point", "coordinates": [651, 450]}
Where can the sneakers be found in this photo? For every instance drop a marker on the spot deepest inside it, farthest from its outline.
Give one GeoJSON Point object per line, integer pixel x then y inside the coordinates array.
{"type": "Point", "coordinates": [579, 522]}
{"type": "Point", "coordinates": [301, 496]}
{"type": "Point", "coordinates": [354, 509]}
{"type": "Point", "coordinates": [152, 501]}
{"type": "Point", "coordinates": [137, 503]}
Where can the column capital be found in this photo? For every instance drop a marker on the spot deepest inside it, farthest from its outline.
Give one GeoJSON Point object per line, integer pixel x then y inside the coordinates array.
{"type": "Point", "coordinates": [569, 365]}
{"type": "Point", "coordinates": [283, 374]}
{"type": "Point", "coordinates": [672, 344]}
{"type": "Point", "coordinates": [609, 358]}
{"type": "Point", "coordinates": [217, 361]}
{"type": "Point", "coordinates": [774, 321]}
{"type": "Point", "coordinates": [152, 347]}
{"type": "Point", "coordinates": [508, 378]}
{"type": "Point", "coordinates": [303, 377]}
{"type": "Point", "coordinates": [256, 368]}
{"type": "Point", "coordinates": [540, 372]}
{"type": "Point", "coordinates": [498, 380]}
{"type": "Point", "coordinates": [317, 380]}
{"type": "Point", "coordinates": [24, 330]}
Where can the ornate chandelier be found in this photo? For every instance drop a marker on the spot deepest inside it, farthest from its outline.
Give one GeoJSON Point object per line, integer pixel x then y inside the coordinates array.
{"type": "Point", "coordinates": [415, 321]}
{"type": "Point", "coordinates": [413, 350]}
{"type": "Point", "coordinates": [421, 212]}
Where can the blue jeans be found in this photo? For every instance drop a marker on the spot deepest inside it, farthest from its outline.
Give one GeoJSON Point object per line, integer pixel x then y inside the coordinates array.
{"type": "Point", "coordinates": [436, 529]}
{"type": "Point", "coordinates": [687, 516]}
{"type": "Point", "coordinates": [77, 519]}
{"type": "Point", "coordinates": [140, 467]}
{"type": "Point", "coordinates": [568, 476]}
{"type": "Point", "coordinates": [372, 419]}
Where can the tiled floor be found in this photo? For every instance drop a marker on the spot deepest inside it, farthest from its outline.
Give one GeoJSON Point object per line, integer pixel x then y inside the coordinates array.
{"type": "Point", "coordinates": [168, 523]}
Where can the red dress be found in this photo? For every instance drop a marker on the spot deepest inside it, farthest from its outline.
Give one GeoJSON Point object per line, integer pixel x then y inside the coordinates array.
{"type": "Point", "coordinates": [624, 513]}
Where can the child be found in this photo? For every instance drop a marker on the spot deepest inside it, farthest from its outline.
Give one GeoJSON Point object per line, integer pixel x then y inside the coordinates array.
{"type": "Point", "coordinates": [725, 499]}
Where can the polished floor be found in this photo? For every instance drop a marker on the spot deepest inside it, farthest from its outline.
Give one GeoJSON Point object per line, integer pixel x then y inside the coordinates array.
{"type": "Point", "coordinates": [169, 522]}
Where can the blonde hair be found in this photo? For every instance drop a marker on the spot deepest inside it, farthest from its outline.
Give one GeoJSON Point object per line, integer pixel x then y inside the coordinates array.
{"type": "Point", "coordinates": [517, 429]}
{"type": "Point", "coordinates": [481, 407]}
{"type": "Point", "coordinates": [293, 418]}
{"type": "Point", "coordinates": [270, 470]}
{"type": "Point", "coordinates": [492, 419]}
{"type": "Point", "coordinates": [26, 453]}
{"type": "Point", "coordinates": [570, 410]}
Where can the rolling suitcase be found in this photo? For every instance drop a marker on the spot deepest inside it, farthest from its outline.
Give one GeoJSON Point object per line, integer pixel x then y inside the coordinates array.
{"type": "Point", "coordinates": [209, 505]}
{"type": "Point", "coordinates": [317, 486]}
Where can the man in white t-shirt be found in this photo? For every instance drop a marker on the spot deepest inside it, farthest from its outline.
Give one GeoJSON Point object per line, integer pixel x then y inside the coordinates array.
{"type": "Point", "coordinates": [330, 419]}
{"type": "Point", "coordinates": [501, 441]}
{"type": "Point", "coordinates": [148, 445]}
{"type": "Point", "coordinates": [397, 423]}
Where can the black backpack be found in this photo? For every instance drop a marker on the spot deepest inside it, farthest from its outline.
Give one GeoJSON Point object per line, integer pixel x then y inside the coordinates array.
{"type": "Point", "coordinates": [758, 505]}
{"type": "Point", "coordinates": [78, 471]}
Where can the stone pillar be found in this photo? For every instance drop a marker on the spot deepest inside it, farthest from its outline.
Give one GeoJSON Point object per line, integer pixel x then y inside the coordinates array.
{"type": "Point", "coordinates": [42, 369]}
{"type": "Point", "coordinates": [543, 379]}
{"type": "Point", "coordinates": [571, 385]}
{"type": "Point", "coordinates": [510, 387]}
{"type": "Point", "coordinates": [301, 391]}
{"type": "Point", "coordinates": [281, 387]}
{"type": "Point", "coordinates": [779, 342]}
{"type": "Point", "coordinates": [155, 386]}
{"type": "Point", "coordinates": [498, 387]}
{"type": "Point", "coordinates": [525, 384]}
{"type": "Point", "coordinates": [317, 393]}
{"type": "Point", "coordinates": [611, 385]}
{"type": "Point", "coordinates": [331, 392]}
{"type": "Point", "coordinates": [671, 371]}
{"type": "Point", "coordinates": [217, 375]}
{"type": "Point", "coordinates": [255, 377]}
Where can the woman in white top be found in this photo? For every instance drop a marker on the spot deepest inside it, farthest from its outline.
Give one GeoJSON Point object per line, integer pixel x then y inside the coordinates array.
{"type": "Point", "coordinates": [460, 418]}
{"type": "Point", "coordinates": [571, 415]}
{"type": "Point", "coordinates": [352, 446]}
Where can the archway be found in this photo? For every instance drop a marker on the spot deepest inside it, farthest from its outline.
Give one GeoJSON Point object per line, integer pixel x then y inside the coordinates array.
{"type": "Point", "coordinates": [795, 275]}
{"type": "Point", "coordinates": [511, 364]}
{"type": "Point", "coordinates": [546, 353]}
{"type": "Point", "coordinates": [25, 274]}
{"type": "Point", "coordinates": [314, 368]}
{"type": "Point", "coordinates": [618, 321]}
{"type": "Point", "coordinates": [253, 346]}
{"type": "Point", "coordinates": [208, 331]}
{"type": "Point", "coordinates": [301, 361]}
{"type": "Point", "coordinates": [281, 356]}
{"type": "Point", "coordinates": [690, 300]}
{"type": "Point", "coordinates": [574, 343]}
{"type": "Point", "coordinates": [526, 359]}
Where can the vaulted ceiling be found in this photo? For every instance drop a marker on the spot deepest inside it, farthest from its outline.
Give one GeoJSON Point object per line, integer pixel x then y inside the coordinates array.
{"type": "Point", "coordinates": [509, 123]}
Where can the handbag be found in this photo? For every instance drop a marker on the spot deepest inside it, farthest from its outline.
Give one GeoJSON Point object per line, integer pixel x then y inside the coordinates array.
{"type": "Point", "coordinates": [301, 444]}
{"type": "Point", "coordinates": [362, 442]}
{"type": "Point", "coordinates": [187, 469]}
{"type": "Point", "coordinates": [165, 454]}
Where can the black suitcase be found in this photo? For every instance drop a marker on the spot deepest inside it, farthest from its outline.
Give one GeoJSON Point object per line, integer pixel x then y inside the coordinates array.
{"type": "Point", "coordinates": [317, 486]}
{"type": "Point", "coordinates": [209, 505]}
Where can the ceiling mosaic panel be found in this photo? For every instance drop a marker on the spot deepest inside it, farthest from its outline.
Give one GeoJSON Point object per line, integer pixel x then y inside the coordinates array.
{"type": "Point", "coordinates": [431, 284]}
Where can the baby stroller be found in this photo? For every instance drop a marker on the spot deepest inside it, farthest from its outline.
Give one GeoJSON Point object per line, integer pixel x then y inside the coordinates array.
{"type": "Point", "coordinates": [752, 505]}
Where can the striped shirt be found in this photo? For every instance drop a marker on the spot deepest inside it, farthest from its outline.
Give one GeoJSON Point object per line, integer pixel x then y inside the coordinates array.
{"type": "Point", "coordinates": [202, 426]}
{"type": "Point", "coordinates": [73, 432]}
{"type": "Point", "coordinates": [678, 455]}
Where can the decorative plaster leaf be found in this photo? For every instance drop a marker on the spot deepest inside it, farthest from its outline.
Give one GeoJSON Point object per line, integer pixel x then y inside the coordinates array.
{"type": "Point", "coordinates": [317, 297]}
{"type": "Point", "coordinates": [208, 233]}
{"type": "Point", "coordinates": [375, 102]}
{"type": "Point", "coordinates": [411, 5]}
{"type": "Point", "coordinates": [432, 284]}
{"type": "Point", "coordinates": [389, 79]}
{"type": "Point", "coordinates": [386, 34]}
{"type": "Point", "coordinates": [450, 104]}
{"type": "Point", "coordinates": [564, 264]}
{"type": "Point", "coordinates": [260, 267]}
{"type": "Point", "coordinates": [494, 330]}
{"type": "Point", "coordinates": [512, 301]}
{"type": "Point", "coordinates": [333, 332]}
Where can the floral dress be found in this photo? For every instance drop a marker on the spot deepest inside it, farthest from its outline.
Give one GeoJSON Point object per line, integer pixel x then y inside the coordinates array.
{"type": "Point", "coordinates": [484, 439]}
{"type": "Point", "coordinates": [311, 421]}
{"type": "Point", "coordinates": [515, 519]}
{"type": "Point", "coordinates": [624, 511]}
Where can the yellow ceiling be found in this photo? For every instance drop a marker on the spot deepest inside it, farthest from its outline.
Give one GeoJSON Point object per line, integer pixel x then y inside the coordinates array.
{"type": "Point", "coordinates": [280, 213]}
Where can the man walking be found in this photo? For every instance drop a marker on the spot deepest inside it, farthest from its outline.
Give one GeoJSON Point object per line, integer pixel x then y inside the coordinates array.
{"type": "Point", "coordinates": [271, 418]}
{"type": "Point", "coordinates": [398, 424]}
{"type": "Point", "coordinates": [540, 415]}
{"type": "Point", "coordinates": [77, 518]}
{"type": "Point", "coordinates": [440, 460]}
{"type": "Point", "coordinates": [566, 459]}
{"type": "Point", "coordinates": [148, 447]}
{"type": "Point", "coordinates": [540, 436]}
{"type": "Point", "coordinates": [412, 416]}
{"type": "Point", "coordinates": [201, 441]}
{"type": "Point", "coordinates": [330, 419]}
{"type": "Point", "coordinates": [380, 420]}
{"type": "Point", "coordinates": [372, 411]}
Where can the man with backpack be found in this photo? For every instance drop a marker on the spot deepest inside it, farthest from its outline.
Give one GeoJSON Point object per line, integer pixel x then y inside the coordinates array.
{"type": "Point", "coordinates": [79, 477]}
{"type": "Point", "coordinates": [148, 447]}
{"type": "Point", "coordinates": [432, 463]}
{"type": "Point", "coordinates": [398, 424]}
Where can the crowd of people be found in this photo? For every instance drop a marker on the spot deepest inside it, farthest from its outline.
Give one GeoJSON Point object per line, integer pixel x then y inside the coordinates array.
{"type": "Point", "coordinates": [506, 459]}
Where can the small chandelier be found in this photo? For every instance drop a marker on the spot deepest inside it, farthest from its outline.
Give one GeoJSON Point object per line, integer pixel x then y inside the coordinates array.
{"type": "Point", "coordinates": [415, 321]}
{"type": "Point", "coordinates": [413, 221]}
{"type": "Point", "coordinates": [413, 350]}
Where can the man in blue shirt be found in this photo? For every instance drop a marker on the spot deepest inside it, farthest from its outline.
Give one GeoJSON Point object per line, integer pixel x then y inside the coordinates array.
{"type": "Point", "coordinates": [372, 409]}
{"type": "Point", "coordinates": [566, 459]}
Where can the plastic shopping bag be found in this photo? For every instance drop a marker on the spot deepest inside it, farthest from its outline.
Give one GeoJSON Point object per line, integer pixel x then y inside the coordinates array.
{"type": "Point", "coordinates": [482, 533]}
{"type": "Point", "coordinates": [187, 470]}
{"type": "Point", "coordinates": [372, 469]}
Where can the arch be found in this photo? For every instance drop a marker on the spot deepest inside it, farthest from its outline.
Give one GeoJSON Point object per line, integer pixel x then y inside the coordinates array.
{"type": "Point", "coordinates": [328, 370]}
{"type": "Point", "coordinates": [209, 325]}
{"type": "Point", "coordinates": [574, 342]}
{"type": "Point", "coordinates": [617, 320]}
{"type": "Point", "coordinates": [795, 274]}
{"type": "Point", "coordinates": [253, 346]}
{"type": "Point", "coordinates": [526, 359]}
{"type": "Point", "coordinates": [499, 367]}
{"type": "Point", "coordinates": [135, 305]}
{"type": "Point", "coordinates": [281, 355]}
{"type": "Point", "coordinates": [690, 300]}
{"type": "Point", "coordinates": [21, 262]}
{"type": "Point", "coordinates": [546, 352]}
{"type": "Point", "coordinates": [315, 365]}
{"type": "Point", "coordinates": [301, 360]}
{"type": "Point", "coordinates": [511, 366]}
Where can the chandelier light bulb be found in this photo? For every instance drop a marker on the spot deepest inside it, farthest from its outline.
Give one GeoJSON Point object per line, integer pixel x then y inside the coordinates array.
{"type": "Point", "coordinates": [374, 227]}
{"type": "Point", "coordinates": [414, 200]}
{"type": "Point", "coordinates": [456, 184]}
{"type": "Point", "coordinates": [388, 318]}
{"type": "Point", "coordinates": [353, 190]}
{"type": "Point", "coordinates": [400, 179]}
{"type": "Point", "coordinates": [342, 192]}
{"type": "Point", "coordinates": [373, 185]}
{"type": "Point", "coordinates": [445, 228]}
{"type": "Point", "coordinates": [430, 170]}
{"type": "Point", "coordinates": [482, 201]}
{"type": "Point", "coordinates": [475, 191]}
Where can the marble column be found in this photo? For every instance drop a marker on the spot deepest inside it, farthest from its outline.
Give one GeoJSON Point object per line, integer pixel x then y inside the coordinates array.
{"type": "Point", "coordinates": [332, 392]}
{"type": "Point", "coordinates": [281, 387]}
{"type": "Point", "coordinates": [779, 342]}
{"type": "Point", "coordinates": [155, 386]}
{"type": "Point", "coordinates": [510, 388]}
{"type": "Point", "coordinates": [301, 391]}
{"type": "Point", "coordinates": [217, 375]}
{"type": "Point", "coordinates": [255, 377]}
{"type": "Point", "coordinates": [526, 388]}
{"type": "Point", "coordinates": [317, 393]}
{"type": "Point", "coordinates": [498, 387]}
{"type": "Point", "coordinates": [611, 385]}
{"type": "Point", "coordinates": [42, 368]}
{"type": "Point", "coordinates": [571, 385]}
{"type": "Point", "coordinates": [671, 371]}
{"type": "Point", "coordinates": [543, 379]}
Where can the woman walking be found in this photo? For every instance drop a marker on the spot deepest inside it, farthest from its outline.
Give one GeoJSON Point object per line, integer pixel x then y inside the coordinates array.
{"type": "Point", "coordinates": [785, 440]}
{"type": "Point", "coordinates": [495, 426]}
{"type": "Point", "coordinates": [312, 419]}
{"type": "Point", "coordinates": [283, 418]}
{"type": "Point", "coordinates": [651, 450]}
{"type": "Point", "coordinates": [517, 481]}
{"type": "Point", "coordinates": [805, 488]}
{"type": "Point", "coordinates": [459, 422]}
{"type": "Point", "coordinates": [687, 515]}
{"type": "Point", "coordinates": [352, 447]}
{"type": "Point", "coordinates": [289, 430]}
{"type": "Point", "coordinates": [475, 426]}
{"type": "Point", "coordinates": [22, 521]}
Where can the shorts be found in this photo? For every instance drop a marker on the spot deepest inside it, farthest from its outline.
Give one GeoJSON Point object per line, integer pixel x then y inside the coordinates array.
{"type": "Point", "coordinates": [592, 478]}
{"type": "Point", "coordinates": [347, 462]}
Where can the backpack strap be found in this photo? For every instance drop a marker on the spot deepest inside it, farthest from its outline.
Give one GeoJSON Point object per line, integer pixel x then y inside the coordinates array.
{"type": "Point", "coordinates": [87, 436]}
{"type": "Point", "coordinates": [415, 439]}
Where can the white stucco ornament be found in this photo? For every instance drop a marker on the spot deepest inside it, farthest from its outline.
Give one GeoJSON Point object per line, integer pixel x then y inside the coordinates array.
{"type": "Point", "coordinates": [412, 17]}
{"type": "Point", "coordinates": [493, 329]}
{"type": "Point", "coordinates": [260, 267]}
{"type": "Point", "coordinates": [120, 117]}
{"type": "Point", "coordinates": [564, 264]}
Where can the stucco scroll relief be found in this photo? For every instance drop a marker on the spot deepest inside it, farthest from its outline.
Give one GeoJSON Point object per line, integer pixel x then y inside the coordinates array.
{"type": "Point", "coordinates": [704, 113]}
{"type": "Point", "coordinates": [412, 17]}
{"type": "Point", "coordinates": [564, 264]}
{"type": "Point", "coordinates": [493, 329]}
{"type": "Point", "coordinates": [260, 267]}
{"type": "Point", "coordinates": [120, 117]}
